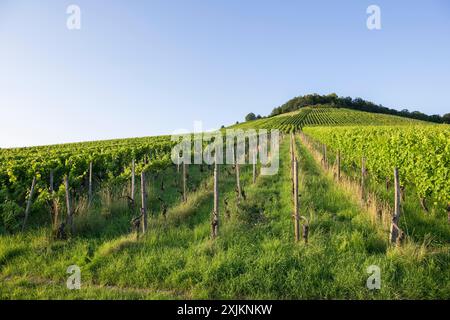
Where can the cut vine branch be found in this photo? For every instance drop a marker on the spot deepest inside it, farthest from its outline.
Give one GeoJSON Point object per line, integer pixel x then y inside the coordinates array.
{"type": "Point", "coordinates": [30, 199]}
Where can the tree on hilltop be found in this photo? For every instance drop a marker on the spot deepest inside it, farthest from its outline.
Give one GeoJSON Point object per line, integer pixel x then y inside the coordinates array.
{"type": "Point", "coordinates": [251, 116]}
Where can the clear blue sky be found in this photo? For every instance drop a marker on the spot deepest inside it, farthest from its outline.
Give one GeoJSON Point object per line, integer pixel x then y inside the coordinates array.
{"type": "Point", "coordinates": [139, 68]}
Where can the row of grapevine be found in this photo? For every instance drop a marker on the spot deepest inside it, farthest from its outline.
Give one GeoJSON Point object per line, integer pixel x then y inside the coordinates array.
{"type": "Point", "coordinates": [324, 116]}
{"type": "Point", "coordinates": [110, 162]}
{"type": "Point", "coordinates": [382, 213]}
{"type": "Point", "coordinates": [40, 172]}
{"type": "Point", "coordinates": [422, 154]}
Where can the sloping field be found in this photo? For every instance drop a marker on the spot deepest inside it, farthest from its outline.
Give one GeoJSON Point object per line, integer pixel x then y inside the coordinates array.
{"type": "Point", "coordinates": [138, 226]}
{"type": "Point", "coordinates": [254, 256]}
{"type": "Point", "coordinates": [324, 116]}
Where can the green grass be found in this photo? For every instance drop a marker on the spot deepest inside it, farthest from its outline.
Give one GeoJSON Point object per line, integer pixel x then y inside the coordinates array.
{"type": "Point", "coordinates": [253, 257]}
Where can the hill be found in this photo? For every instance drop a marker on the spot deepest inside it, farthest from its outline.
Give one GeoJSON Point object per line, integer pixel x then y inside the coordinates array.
{"type": "Point", "coordinates": [138, 226]}
{"type": "Point", "coordinates": [352, 103]}
{"type": "Point", "coordinates": [325, 116]}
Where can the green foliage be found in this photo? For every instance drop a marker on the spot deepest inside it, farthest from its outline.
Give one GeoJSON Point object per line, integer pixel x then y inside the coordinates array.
{"type": "Point", "coordinates": [249, 212]}
{"type": "Point", "coordinates": [422, 153]}
{"type": "Point", "coordinates": [178, 260]}
{"type": "Point", "coordinates": [10, 214]}
{"type": "Point", "coordinates": [446, 118]}
{"type": "Point", "coordinates": [111, 165]}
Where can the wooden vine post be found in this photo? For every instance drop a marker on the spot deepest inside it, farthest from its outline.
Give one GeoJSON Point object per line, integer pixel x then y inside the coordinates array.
{"type": "Point", "coordinates": [90, 182]}
{"type": "Point", "coordinates": [51, 190]}
{"type": "Point", "coordinates": [338, 164]}
{"type": "Point", "coordinates": [291, 149]}
{"type": "Point", "coordinates": [68, 205]}
{"type": "Point", "coordinates": [184, 183]}
{"type": "Point", "coordinates": [254, 167]}
{"type": "Point", "coordinates": [30, 199]}
{"type": "Point", "coordinates": [133, 180]}
{"type": "Point", "coordinates": [143, 204]}
{"type": "Point", "coordinates": [54, 208]}
{"type": "Point", "coordinates": [396, 217]}
{"type": "Point", "coordinates": [238, 180]}
{"type": "Point", "coordinates": [325, 159]}
{"type": "Point", "coordinates": [296, 214]}
{"type": "Point", "coordinates": [215, 218]}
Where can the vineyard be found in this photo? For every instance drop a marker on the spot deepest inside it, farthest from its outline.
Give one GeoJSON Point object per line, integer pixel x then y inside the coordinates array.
{"type": "Point", "coordinates": [325, 116]}
{"type": "Point", "coordinates": [422, 154]}
{"type": "Point", "coordinates": [106, 162]}
{"type": "Point", "coordinates": [353, 190]}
